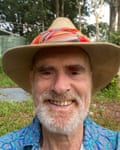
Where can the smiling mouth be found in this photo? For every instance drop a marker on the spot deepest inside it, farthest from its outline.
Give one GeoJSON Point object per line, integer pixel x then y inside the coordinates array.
{"type": "Point", "coordinates": [61, 103]}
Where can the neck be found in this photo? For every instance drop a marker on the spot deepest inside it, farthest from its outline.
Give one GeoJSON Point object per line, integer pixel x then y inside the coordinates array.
{"type": "Point", "coordinates": [55, 141]}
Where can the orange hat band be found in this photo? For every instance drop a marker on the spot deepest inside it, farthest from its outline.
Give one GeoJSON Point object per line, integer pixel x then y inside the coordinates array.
{"type": "Point", "coordinates": [60, 35]}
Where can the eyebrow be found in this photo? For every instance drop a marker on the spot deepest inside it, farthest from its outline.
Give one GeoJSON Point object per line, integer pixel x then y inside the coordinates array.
{"type": "Point", "coordinates": [77, 67]}
{"type": "Point", "coordinates": [71, 67]}
{"type": "Point", "coordinates": [43, 67]}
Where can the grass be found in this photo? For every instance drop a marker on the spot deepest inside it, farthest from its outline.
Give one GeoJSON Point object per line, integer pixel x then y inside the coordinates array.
{"type": "Point", "coordinates": [106, 113]}
{"type": "Point", "coordinates": [5, 81]}
{"type": "Point", "coordinates": [14, 115]}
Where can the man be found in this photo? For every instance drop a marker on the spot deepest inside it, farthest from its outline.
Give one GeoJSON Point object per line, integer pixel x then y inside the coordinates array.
{"type": "Point", "coordinates": [62, 69]}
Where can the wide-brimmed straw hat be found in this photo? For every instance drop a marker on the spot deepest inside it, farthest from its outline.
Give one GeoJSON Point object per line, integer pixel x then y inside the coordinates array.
{"type": "Point", "coordinates": [104, 57]}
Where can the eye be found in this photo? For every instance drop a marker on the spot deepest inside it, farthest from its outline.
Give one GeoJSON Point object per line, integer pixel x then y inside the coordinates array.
{"type": "Point", "coordinates": [76, 70]}
{"type": "Point", "coordinates": [45, 71]}
{"type": "Point", "coordinates": [75, 73]}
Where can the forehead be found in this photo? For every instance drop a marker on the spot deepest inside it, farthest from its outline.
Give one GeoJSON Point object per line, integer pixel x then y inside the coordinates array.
{"type": "Point", "coordinates": [67, 53]}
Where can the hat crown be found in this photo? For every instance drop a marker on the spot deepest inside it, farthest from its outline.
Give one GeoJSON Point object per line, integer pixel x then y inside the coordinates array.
{"type": "Point", "coordinates": [61, 30]}
{"type": "Point", "coordinates": [61, 22]}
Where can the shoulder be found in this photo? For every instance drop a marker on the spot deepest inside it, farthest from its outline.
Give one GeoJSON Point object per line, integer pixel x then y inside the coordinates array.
{"type": "Point", "coordinates": [16, 140]}
{"type": "Point", "coordinates": [99, 136]}
{"type": "Point", "coordinates": [13, 139]}
{"type": "Point", "coordinates": [89, 124]}
{"type": "Point", "coordinates": [118, 146]}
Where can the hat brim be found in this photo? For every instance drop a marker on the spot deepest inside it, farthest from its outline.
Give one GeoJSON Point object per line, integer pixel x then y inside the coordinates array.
{"type": "Point", "coordinates": [105, 61]}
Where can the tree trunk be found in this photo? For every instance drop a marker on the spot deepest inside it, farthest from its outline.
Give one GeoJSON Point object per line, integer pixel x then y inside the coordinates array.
{"type": "Point", "coordinates": [57, 8]}
{"type": "Point", "coordinates": [62, 8]}
{"type": "Point", "coordinates": [118, 15]}
{"type": "Point", "coordinates": [97, 16]}
{"type": "Point", "coordinates": [97, 28]}
{"type": "Point", "coordinates": [114, 9]}
{"type": "Point", "coordinates": [79, 13]}
{"type": "Point", "coordinates": [112, 17]}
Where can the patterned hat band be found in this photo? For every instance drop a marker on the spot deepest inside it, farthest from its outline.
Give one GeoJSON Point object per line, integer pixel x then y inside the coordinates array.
{"type": "Point", "coordinates": [60, 35]}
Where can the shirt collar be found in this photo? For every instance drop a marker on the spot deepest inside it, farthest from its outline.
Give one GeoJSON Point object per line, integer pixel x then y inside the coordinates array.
{"type": "Point", "coordinates": [34, 134]}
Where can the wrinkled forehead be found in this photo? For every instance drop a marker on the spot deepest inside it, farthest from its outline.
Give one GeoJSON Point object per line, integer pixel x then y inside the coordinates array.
{"type": "Point", "coordinates": [64, 51]}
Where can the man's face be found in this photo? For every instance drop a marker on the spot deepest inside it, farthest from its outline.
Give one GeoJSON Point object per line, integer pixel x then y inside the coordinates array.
{"type": "Point", "coordinates": [61, 87]}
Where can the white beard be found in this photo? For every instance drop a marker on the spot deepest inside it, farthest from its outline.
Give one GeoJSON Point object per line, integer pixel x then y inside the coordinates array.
{"type": "Point", "coordinates": [56, 124]}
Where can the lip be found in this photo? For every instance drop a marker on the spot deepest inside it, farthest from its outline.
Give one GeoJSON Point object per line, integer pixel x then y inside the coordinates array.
{"type": "Point", "coordinates": [60, 106]}
{"type": "Point", "coordinates": [61, 103]}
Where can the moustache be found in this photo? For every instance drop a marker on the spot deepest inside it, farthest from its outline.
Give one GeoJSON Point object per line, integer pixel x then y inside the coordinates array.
{"type": "Point", "coordinates": [52, 95]}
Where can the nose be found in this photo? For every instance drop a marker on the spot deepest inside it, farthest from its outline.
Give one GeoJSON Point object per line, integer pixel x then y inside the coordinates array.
{"type": "Point", "coordinates": [61, 84]}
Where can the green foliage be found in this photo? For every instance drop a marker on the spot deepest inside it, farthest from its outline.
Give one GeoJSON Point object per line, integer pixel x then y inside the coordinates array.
{"type": "Point", "coordinates": [90, 31]}
{"type": "Point", "coordinates": [5, 81]}
{"type": "Point", "coordinates": [29, 17]}
{"type": "Point", "coordinates": [111, 91]}
{"type": "Point", "coordinates": [114, 37]}
{"type": "Point", "coordinates": [23, 16]}
{"type": "Point", "coordinates": [104, 30]}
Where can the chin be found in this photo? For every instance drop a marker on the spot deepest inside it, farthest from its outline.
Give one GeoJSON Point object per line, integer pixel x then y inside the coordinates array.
{"type": "Point", "coordinates": [60, 125]}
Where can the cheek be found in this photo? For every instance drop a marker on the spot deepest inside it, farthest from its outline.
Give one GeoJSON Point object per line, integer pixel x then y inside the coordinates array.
{"type": "Point", "coordinates": [87, 95]}
{"type": "Point", "coordinates": [83, 88]}
{"type": "Point", "coordinates": [38, 87]}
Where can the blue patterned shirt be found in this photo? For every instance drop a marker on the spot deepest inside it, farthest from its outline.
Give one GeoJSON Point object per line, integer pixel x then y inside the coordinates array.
{"type": "Point", "coordinates": [28, 138]}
